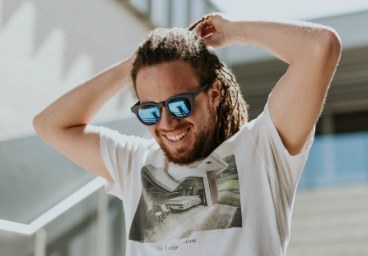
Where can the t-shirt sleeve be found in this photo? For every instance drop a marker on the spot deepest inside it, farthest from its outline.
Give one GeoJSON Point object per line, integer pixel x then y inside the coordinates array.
{"type": "Point", "coordinates": [285, 169]}
{"type": "Point", "coordinates": [282, 170]}
{"type": "Point", "coordinates": [122, 155]}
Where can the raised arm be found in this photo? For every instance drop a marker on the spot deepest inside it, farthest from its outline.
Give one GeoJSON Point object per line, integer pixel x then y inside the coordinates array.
{"type": "Point", "coordinates": [64, 124]}
{"type": "Point", "coordinates": [312, 52]}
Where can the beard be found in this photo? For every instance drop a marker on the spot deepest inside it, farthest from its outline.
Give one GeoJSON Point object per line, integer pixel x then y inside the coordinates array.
{"type": "Point", "coordinates": [203, 146]}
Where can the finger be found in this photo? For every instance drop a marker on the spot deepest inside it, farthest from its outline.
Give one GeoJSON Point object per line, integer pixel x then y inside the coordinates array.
{"type": "Point", "coordinates": [195, 24]}
{"type": "Point", "coordinates": [208, 31]}
{"type": "Point", "coordinates": [198, 30]}
{"type": "Point", "coordinates": [205, 18]}
{"type": "Point", "coordinates": [205, 28]}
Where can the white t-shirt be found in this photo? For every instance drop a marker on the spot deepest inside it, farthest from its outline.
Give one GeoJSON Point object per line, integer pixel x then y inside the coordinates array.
{"type": "Point", "coordinates": [237, 201]}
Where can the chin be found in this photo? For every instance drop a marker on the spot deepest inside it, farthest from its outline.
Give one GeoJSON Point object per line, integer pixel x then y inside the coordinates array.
{"type": "Point", "coordinates": [186, 154]}
{"type": "Point", "coordinates": [183, 155]}
{"type": "Point", "coordinates": [196, 145]}
{"type": "Point", "coordinates": [178, 154]}
{"type": "Point", "coordinates": [181, 159]}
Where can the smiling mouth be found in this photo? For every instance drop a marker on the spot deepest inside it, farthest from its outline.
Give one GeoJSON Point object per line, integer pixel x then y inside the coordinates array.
{"type": "Point", "coordinates": [177, 137]}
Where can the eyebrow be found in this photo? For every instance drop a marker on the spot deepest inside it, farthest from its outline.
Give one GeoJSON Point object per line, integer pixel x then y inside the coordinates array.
{"type": "Point", "coordinates": [170, 96]}
{"type": "Point", "coordinates": [166, 99]}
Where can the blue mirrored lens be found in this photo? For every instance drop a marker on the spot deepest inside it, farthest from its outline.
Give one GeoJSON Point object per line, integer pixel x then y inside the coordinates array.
{"type": "Point", "coordinates": [149, 114]}
{"type": "Point", "coordinates": [180, 107]}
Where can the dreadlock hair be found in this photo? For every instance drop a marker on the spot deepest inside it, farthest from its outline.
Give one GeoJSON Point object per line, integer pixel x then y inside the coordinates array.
{"type": "Point", "coordinates": [164, 45]}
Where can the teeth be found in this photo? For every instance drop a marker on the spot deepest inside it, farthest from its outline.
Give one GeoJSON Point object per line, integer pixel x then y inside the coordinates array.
{"type": "Point", "coordinates": [177, 137]}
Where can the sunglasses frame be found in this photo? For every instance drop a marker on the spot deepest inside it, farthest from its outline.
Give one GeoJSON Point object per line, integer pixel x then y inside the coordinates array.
{"type": "Point", "coordinates": [188, 96]}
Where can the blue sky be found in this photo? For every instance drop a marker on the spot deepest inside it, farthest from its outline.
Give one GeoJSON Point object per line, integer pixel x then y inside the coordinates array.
{"type": "Point", "coordinates": [289, 9]}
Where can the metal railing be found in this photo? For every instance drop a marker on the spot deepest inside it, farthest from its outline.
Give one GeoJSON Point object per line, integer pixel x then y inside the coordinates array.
{"type": "Point", "coordinates": [37, 226]}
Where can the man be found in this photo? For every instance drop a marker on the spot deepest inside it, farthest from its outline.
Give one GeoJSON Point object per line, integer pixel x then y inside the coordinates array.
{"type": "Point", "coordinates": [224, 186]}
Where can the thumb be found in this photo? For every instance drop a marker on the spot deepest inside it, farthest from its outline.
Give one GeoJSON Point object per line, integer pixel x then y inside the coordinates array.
{"type": "Point", "coordinates": [213, 40]}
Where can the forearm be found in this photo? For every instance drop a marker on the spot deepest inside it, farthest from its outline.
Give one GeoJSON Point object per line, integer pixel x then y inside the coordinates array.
{"type": "Point", "coordinates": [78, 106]}
{"type": "Point", "coordinates": [290, 42]}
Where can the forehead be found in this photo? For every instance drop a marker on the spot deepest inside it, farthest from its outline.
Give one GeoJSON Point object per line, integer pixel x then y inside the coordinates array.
{"type": "Point", "coordinates": [162, 81]}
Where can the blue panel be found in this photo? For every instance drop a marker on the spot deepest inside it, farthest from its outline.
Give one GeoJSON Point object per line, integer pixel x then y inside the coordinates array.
{"type": "Point", "coordinates": [335, 160]}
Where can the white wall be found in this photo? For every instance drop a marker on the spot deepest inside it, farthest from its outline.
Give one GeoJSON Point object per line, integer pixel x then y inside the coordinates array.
{"type": "Point", "coordinates": [49, 47]}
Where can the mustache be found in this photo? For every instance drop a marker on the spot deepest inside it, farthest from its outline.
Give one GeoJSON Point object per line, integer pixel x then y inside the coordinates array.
{"type": "Point", "coordinates": [158, 131]}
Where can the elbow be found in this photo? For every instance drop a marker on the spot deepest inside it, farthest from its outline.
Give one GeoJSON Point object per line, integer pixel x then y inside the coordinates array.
{"type": "Point", "coordinates": [37, 124]}
{"type": "Point", "coordinates": [331, 45]}
{"type": "Point", "coordinates": [40, 125]}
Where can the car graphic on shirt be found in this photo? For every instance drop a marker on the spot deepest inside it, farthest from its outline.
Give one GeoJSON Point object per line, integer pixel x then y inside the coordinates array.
{"type": "Point", "coordinates": [183, 202]}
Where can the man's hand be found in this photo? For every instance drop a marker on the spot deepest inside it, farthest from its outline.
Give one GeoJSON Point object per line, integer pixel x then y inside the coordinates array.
{"type": "Point", "coordinates": [214, 28]}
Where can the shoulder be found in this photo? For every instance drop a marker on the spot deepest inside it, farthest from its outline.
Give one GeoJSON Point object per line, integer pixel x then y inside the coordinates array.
{"type": "Point", "coordinates": [119, 140]}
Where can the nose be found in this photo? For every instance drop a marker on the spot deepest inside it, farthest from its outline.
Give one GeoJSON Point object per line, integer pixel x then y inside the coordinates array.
{"type": "Point", "coordinates": [167, 120]}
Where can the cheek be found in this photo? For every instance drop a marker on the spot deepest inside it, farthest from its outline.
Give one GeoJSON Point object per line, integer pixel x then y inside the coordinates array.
{"type": "Point", "coordinates": [201, 111]}
{"type": "Point", "coordinates": [199, 121]}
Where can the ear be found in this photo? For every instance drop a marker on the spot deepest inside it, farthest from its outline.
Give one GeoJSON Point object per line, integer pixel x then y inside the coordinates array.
{"type": "Point", "coordinates": [214, 94]}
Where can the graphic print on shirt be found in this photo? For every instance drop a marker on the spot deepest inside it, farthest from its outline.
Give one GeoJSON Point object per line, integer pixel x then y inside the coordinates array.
{"type": "Point", "coordinates": [174, 209]}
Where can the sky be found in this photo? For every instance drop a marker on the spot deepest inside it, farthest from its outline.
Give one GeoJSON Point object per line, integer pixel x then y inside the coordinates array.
{"type": "Point", "coordinates": [289, 9]}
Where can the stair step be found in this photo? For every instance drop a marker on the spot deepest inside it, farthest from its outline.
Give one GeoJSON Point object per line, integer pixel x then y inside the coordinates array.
{"type": "Point", "coordinates": [331, 200]}
{"type": "Point", "coordinates": [337, 205]}
{"type": "Point", "coordinates": [330, 220]}
{"type": "Point", "coordinates": [333, 192]}
{"type": "Point", "coordinates": [323, 235]}
{"type": "Point", "coordinates": [329, 249]}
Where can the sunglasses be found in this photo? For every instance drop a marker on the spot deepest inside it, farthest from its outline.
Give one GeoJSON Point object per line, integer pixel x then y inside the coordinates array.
{"type": "Point", "coordinates": [179, 106]}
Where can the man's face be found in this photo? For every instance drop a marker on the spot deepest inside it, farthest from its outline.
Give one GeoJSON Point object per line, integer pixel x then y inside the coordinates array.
{"type": "Point", "coordinates": [183, 140]}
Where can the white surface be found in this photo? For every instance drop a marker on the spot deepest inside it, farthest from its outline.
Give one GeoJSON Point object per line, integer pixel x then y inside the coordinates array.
{"type": "Point", "coordinates": [54, 212]}
{"type": "Point", "coordinates": [301, 9]}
